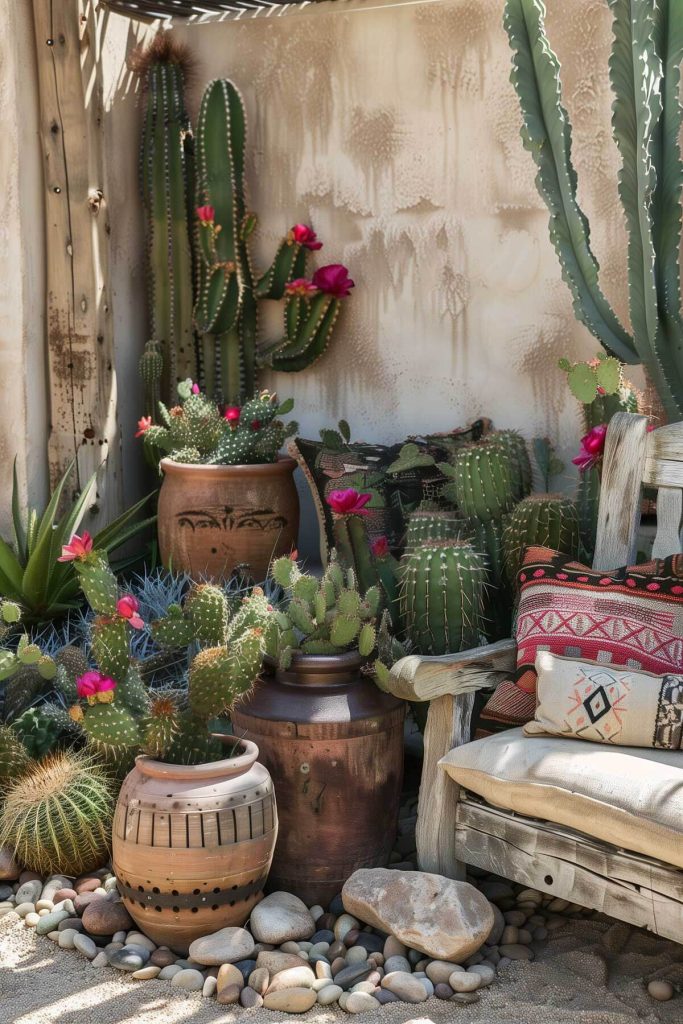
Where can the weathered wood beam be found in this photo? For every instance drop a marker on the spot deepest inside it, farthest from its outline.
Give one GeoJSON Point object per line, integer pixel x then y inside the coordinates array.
{"type": "Point", "coordinates": [82, 378]}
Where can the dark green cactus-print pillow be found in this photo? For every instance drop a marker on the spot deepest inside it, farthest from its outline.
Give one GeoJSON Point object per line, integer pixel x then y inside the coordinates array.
{"type": "Point", "coordinates": [398, 477]}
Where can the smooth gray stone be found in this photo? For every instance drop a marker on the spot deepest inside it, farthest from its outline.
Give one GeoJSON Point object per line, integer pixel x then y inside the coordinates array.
{"type": "Point", "coordinates": [85, 945]}
{"type": "Point", "coordinates": [125, 960]}
{"type": "Point", "coordinates": [350, 976]}
{"type": "Point", "coordinates": [6, 893]}
{"type": "Point", "coordinates": [50, 922]}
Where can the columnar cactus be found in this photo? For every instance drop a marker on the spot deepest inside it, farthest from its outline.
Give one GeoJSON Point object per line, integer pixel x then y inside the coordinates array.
{"type": "Point", "coordinates": [442, 596]}
{"type": "Point", "coordinates": [228, 290]}
{"type": "Point", "coordinates": [166, 174]}
{"type": "Point", "coordinates": [482, 476]}
{"type": "Point", "coordinates": [432, 523]}
{"type": "Point", "coordinates": [547, 520]}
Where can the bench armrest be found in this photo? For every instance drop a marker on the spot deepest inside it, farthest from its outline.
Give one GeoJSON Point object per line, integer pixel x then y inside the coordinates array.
{"type": "Point", "coordinates": [419, 678]}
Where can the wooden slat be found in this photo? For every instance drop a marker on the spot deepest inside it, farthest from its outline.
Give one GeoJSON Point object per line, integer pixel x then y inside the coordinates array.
{"type": "Point", "coordinates": [422, 678]}
{"type": "Point", "coordinates": [663, 473]}
{"type": "Point", "coordinates": [195, 836]}
{"type": "Point", "coordinates": [257, 818]}
{"type": "Point", "coordinates": [666, 442]}
{"type": "Point", "coordinates": [146, 828]}
{"type": "Point", "coordinates": [79, 316]}
{"type": "Point", "coordinates": [178, 832]}
{"type": "Point", "coordinates": [619, 512]}
{"type": "Point", "coordinates": [132, 824]}
{"type": "Point", "coordinates": [162, 829]}
{"type": "Point", "coordinates": [242, 824]}
{"type": "Point", "coordinates": [226, 823]}
{"type": "Point", "coordinates": [572, 866]}
{"type": "Point", "coordinates": [669, 513]}
{"type": "Point", "coordinates": [210, 825]}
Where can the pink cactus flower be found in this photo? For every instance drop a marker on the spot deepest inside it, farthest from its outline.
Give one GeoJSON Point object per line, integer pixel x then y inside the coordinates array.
{"type": "Point", "coordinates": [144, 423]}
{"type": "Point", "coordinates": [105, 684]}
{"type": "Point", "coordinates": [206, 214]}
{"type": "Point", "coordinates": [87, 684]}
{"type": "Point", "coordinates": [195, 389]}
{"type": "Point", "coordinates": [77, 548]}
{"type": "Point", "coordinates": [128, 608]}
{"type": "Point", "coordinates": [333, 280]}
{"type": "Point", "coordinates": [301, 286]}
{"type": "Point", "coordinates": [380, 547]}
{"type": "Point", "coordinates": [232, 415]}
{"type": "Point", "coordinates": [592, 448]}
{"type": "Point", "coordinates": [305, 236]}
{"type": "Point", "coordinates": [348, 503]}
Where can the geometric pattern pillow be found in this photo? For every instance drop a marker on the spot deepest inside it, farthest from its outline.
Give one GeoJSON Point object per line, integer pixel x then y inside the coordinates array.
{"type": "Point", "coordinates": [588, 700]}
{"type": "Point", "coordinates": [336, 467]}
{"type": "Point", "coordinates": [631, 617]}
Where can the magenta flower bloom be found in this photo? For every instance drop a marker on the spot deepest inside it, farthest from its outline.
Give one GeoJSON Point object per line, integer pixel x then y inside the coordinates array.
{"type": "Point", "coordinates": [77, 548]}
{"type": "Point", "coordinates": [348, 503]}
{"type": "Point", "coordinates": [592, 448]}
{"type": "Point", "coordinates": [206, 214]}
{"type": "Point", "coordinates": [87, 684]}
{"type": "Point", "coordinates": [195, 389]}
{"type": "Point", "coordinates": [305, 236]}
{"type": "Point", "coordinates": [333, 280]}
{"type": "Point", "coordinates": [128, 608]}
{"type": "Point", "coordinates": [380, 547]}
{"type": "Point", "coordinates": [232, 415]}
{"type": "Point", "coordinates": [301, 286]}
{"type": "Point", "coordinates": [105, 684]}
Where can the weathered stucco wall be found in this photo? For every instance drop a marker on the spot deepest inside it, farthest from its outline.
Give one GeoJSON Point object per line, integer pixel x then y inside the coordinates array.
{"type": "Point", "coordinates": [395, 132]}
{"type": "Point", "coordinates": [23, 410]}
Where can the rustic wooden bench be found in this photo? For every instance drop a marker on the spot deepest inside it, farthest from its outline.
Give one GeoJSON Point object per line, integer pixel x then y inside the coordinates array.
{"type": "Point", "coordinates": [454, 827]}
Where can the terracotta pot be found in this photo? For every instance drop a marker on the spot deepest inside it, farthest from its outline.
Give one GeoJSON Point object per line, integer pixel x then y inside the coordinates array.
{"type": "Point", "coordinates": [212, 518]}
{"type": "Point", "coordinates": [334, 742]}
{"type": "Point", "coordinates": [193, 844]}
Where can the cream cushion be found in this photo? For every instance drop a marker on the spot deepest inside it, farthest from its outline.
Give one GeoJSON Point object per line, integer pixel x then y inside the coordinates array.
{"type": "Point", "coordinates": [629, 797]}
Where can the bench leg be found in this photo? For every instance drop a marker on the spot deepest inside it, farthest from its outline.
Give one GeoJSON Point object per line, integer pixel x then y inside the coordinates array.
{"type": "Point", "coordinates": [448, 726]}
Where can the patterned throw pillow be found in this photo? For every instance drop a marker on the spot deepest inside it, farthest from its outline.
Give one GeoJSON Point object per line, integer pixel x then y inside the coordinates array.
{"type": "Point", "coordinates": [336, 467]}
{"type": "Point", "coordinates": [631, 617]}
{"type": "Point", "coordinates": [588, 700]}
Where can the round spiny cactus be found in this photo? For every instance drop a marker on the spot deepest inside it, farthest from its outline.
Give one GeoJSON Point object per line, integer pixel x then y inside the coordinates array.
{"type": "Point", "coordinates": [443, 588]}
{"type": "Point", "coordinates": [425, 525]}
{"type": "Point", "coordinates": [13, 755]}
{"type": "Point", "coordinates": [546, 520]}
{"type": "Point", "coordinates": [57, 816]}
{"type": "Point", "coordinates": [482, 481]}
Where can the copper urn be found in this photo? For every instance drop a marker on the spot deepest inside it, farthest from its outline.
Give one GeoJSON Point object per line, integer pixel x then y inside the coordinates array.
{"type": "Point", "coordinates": [333, 743]}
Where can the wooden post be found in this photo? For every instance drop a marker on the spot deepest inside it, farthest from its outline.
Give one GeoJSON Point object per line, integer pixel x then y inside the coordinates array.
{"type": "Point", "coordinates": [82, 378]}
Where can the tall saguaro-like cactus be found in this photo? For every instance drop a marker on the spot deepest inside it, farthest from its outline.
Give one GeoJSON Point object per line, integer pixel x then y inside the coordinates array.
{"type": "Point", "coordinates": [644, 70]}
{"type": "Point", "coordinates": [166, 181]}
{"type": "Point", "coordinates": [228, 290]}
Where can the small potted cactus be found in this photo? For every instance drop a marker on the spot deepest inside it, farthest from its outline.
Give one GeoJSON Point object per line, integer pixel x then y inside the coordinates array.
{"type": "Point", "coordinates": [228, 496]}
{"type": "Point", "coordinates": [195, 823]}
{"type": "Point", "coordinates": [330, 736]}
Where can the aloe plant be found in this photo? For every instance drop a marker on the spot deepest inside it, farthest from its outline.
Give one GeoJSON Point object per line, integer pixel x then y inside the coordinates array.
{"type": "Point", "coordinates": [644, 70]}
{"type": "Point", "coordinates": [29, 571]}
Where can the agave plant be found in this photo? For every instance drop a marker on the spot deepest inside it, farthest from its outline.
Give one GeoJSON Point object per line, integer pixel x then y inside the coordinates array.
{"type": "Point", "coordinates": [29, 571]}
{"type": "Point", "coordinates": [644, 71]}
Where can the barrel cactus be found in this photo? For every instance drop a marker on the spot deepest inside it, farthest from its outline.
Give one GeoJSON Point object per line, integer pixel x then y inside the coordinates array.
{"type": "Point", "coordinates": [432, 523]}
{"type": "Point", "coordinates": [482, 476]}
{"type": "Point", "coordinates": [443, 586]}
{"type": "Point", "coordinates": [546, 520]}
{"type": "Point", "coordinates": [57, 815]}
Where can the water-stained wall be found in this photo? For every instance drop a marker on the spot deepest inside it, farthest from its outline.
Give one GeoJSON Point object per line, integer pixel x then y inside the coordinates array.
{"type": "Point", "coordinates": [393, 129]}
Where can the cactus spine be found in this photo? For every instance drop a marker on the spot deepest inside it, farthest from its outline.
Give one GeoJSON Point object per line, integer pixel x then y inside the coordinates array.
{"type": "Point", "coordinates": [166, 167]}
{"type": "Point", "coordinates": [427, 524]}
{"type": "Point", "coordinates": [442, 596]}
{"type": "Point", "coordinates": [547, 520]}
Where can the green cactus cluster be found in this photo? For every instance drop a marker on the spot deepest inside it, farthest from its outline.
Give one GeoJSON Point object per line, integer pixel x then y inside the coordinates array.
{"type": "Point", "coordinates": [443, 586]}
{"type": "Point", "coordinates": [194, 431]}
{"type": "Point", "coordinates": [326, 616]}
{"type": "Point", "coordinates": [431, 522]}
{"type": "Point", "coordinates": [547, 520]}
{"type": "Point", "coordinates": [372, 564]}
{"type": "Point", "coordinates": [204, 289]}
{"type": "Point", "coordinates": [38, 730]}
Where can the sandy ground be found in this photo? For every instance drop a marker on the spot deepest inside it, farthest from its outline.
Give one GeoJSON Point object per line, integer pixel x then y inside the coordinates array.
{"type": "Point", "coordinates": [589, 972]}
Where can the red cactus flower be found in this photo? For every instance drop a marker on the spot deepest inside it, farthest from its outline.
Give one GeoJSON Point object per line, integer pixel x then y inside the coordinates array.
{"type": "Point", "coordinates": [206, 214]}
{"type": "Point", "coordinates": [144, 423]}
{"type": "Point", "coordinates": [305, 236]}
{"type": "Point", "coordinates": [195, 389]}
{"type": "Point", "coordinates": [86, 685]}
{"type": "Point", "coordinates": [232, 415]}
{"type": "Point", "coordinates": [301, 286]}
{"type": "Point", "coordinates": [256, 424]}
{"type": "Point", "coordinates": [77, 548]}
{"type": "Point", "coordinates": [592, 448]}
{"type": "Point", "coordinates": [348, 503]}
{"type": "Point", "coordinates": [333, 280]}
{"type": "Point", "coordinates": [380, 547]}
{"type": "Point", "coordinates": [128, 608]}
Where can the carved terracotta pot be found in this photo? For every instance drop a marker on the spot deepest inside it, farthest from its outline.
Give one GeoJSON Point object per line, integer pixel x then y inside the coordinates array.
{"type": "Point", "coordinates": [212, 518]}
{"type": "Point", "coordinates": [334, 742]}
{"type": "Point", "coordinates": [193, 844]}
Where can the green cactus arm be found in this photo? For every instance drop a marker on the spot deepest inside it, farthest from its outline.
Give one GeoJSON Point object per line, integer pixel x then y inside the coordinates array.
{"type": "Point", "coordinates": [547, 135]}
{"type": "Point", "coordinates": [289, 263]}
{"type": "Point", "coordinates": [312, 340]}
{"type": "Point", "coordinates": [668, 34]}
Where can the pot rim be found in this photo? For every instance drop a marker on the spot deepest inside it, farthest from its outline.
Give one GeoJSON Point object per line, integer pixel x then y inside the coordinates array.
{"type": "Point", "coordinates": [284, 464]}
{"type": "Point", "coordinates": [225, 768]}
{"type": "Point", "coordinates": [321, 662]}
